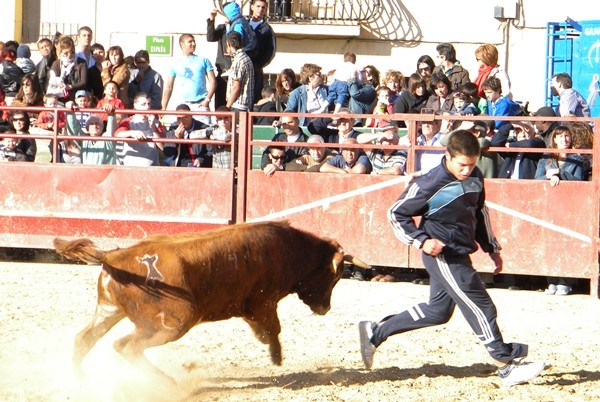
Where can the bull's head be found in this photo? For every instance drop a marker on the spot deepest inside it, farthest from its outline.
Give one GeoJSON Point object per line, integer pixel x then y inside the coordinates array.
{"type": "Point", "coordinates": [316, 289]}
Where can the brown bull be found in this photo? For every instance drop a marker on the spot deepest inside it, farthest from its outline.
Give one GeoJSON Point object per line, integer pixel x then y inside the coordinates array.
{"type": "Point", "coordinates": [167, 284]}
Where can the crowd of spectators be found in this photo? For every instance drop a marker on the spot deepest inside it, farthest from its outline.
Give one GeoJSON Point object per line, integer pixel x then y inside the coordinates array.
{"type": "Point", "coordinates": [79, 74]}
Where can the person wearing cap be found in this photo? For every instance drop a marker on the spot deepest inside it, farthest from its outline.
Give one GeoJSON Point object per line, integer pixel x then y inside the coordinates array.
{"type": "Point", "coordinates": [82, 101]}
{"type": "Point", "coordinates": [385, 161]}
{"type": "Point", "coordinates": [92, 152]}
{"type": "Point", "coordinates": [544, 128]}
{"type": "Point", "coordinates": [24, 59]}
{"type": "Point", "coordinates": [521, 165]}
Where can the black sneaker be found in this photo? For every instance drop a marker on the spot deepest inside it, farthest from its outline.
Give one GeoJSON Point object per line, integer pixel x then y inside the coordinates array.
{"type": "Point", "coordinates": [367, 349]}
{"type": "Point", "coordinates": [358, 275]}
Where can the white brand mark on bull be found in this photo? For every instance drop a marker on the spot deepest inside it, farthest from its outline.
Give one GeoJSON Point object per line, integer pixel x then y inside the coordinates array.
{"type": "Point", "coordinates": [153, 272]}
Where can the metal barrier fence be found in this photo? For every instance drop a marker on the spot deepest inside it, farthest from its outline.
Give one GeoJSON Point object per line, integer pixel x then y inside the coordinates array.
{"type": "Point", "coordinates": [544, 230]}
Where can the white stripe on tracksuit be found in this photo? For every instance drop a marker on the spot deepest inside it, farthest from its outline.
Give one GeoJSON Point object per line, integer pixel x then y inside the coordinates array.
{"type": "Point", "coordinates": [486, 331]}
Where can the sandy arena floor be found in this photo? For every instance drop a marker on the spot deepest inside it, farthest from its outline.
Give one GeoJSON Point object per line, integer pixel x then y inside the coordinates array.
{"type": "Point", "coordinates": [43, 306]}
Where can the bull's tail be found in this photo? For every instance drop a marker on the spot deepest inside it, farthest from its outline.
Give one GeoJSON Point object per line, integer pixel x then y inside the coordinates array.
{"type": "Point", "coordinates": [81, 249]}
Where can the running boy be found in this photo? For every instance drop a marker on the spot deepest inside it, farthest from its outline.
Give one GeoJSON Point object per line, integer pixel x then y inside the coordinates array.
{"type": "Point", "coordinates": [450, 199]}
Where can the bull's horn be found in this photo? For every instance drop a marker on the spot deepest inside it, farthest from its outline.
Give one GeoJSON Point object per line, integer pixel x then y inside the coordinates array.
{"type": "Point", "coordinates": [355, 261]}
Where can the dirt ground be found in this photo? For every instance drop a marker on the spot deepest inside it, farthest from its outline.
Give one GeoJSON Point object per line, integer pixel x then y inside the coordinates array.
{"type": "Point", "coordinates": [43, 306]}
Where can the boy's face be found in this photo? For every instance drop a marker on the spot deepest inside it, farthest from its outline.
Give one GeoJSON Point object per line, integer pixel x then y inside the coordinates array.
{"type": "Point", "coordinates": [461, 166]}
{"type": "Point", "coordinates": [458, 103]}
{"type": "Point", "coordinates": [110, 91]}
{"type": "Point", "coordinates": [99, 55]}
{"type": "Point", "coordinates": [83, 102]}
{"type": "Point", "coordinates": [51, 102]}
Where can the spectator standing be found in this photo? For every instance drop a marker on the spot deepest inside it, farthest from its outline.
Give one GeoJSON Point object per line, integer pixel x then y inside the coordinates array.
{"type": "Point", "coordinates": [450, 66]}
{"type": "Point", "coordinates": [10, 73]}
{"type": "Point", "coordinates": [266, 45]}
{"type": "Point", "coordinates": [84, 42]}
{"type": "Point", "coordinates": [115, 69]}
{"type": "Point", "coordinates": [240, 84]}
{"type": "Point", "coordinates": [223, 61]}
{"type": "Point", "coordinates": [42, 69]}
{"type": "Point", "coordinates": [141, 127]}
{"type": "Point", "coordinates": [68, 74]}
{"type": "Point", "coordinates": [147, 80]}
{"type": "Point", "coordinates": [452, 226]}
{"type": "Point", "coordinates": [382, 108]}
{"type": "Point", "coordinates": [24, 59]}
{"type": "Point", "coordinates": [110, 101]}
{"type": "Point", "coordinates": [311, 95]}
{"type": "Point", "coordinates": [95, 85]}
{"type": "Point", "coordinates": [487, 57]}
{"type": "Point", "coordinates": [571, 103]}
{"type": "Point", "coordinates": [192, 77]}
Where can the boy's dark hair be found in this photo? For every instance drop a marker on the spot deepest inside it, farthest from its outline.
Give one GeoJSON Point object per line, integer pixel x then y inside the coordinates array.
{"type": "Point", "coordinates": [471, 90]}
{"type": "Point", "coordinates": [447, 50]}
{"type": "Point", "coordinates": [493, 84]}
{"type": "Point", "coordinates": [97, 46]}
{"type": "Point", "coordinates": [235, 40]}
{"type": "Point", "coordinates": [267, 91]}
{"type": "Point", "coordinates": [564, 79]}
{"type": "Point", "coordinates": [463, 142]}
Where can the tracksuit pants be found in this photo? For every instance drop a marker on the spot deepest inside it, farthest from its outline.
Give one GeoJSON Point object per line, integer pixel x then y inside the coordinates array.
{"type": "Point", "coordinates": [453, 282]}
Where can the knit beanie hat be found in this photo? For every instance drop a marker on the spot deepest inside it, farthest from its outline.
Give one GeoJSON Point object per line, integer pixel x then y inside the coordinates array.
{"type": "Point", "coordinates": [23, 51]}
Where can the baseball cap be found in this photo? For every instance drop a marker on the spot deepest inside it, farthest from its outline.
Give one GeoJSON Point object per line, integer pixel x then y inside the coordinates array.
{"type": "Point", "coordinates": [81, 93]}
{"type": "Point", "coordinates": [545, 111]}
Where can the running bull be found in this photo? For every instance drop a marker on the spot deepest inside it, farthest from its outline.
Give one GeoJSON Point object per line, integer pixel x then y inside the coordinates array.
{"type": "Point", "coordinates": [167, 284]}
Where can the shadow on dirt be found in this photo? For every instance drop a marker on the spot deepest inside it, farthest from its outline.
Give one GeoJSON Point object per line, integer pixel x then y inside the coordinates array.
{"type": "Point", "coordinates": [348, 377]}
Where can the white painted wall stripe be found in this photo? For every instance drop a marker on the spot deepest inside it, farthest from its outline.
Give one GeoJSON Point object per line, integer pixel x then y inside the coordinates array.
{"type": "Point", "coordinates": [326, 201]}
{"type": "Point", "coordinates": [539, 222]}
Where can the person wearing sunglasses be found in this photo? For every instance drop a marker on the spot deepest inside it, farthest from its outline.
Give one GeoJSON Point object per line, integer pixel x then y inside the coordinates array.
{"type": "Point", "coordinates": [291, 133]}
{"type": "Point", "coordinates": [19, 149]}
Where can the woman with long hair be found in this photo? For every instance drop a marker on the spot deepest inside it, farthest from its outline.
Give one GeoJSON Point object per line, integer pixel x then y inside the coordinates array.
{"type": "Point", "coordinates": [30, 93]}
{"type": "Point", "coordinates": [284, 85]}
{"type": "Point", "coordinates": [115, 69]}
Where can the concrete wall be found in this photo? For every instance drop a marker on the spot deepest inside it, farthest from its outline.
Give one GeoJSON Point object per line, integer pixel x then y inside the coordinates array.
{"type": "Point", "coordinates": [403, 31]}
